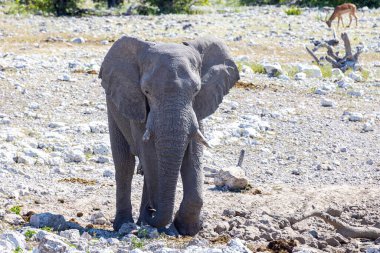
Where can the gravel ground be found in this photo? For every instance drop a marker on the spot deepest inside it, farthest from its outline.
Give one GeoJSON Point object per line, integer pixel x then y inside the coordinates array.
{"type": "Point", "coordinates": [311, 144]}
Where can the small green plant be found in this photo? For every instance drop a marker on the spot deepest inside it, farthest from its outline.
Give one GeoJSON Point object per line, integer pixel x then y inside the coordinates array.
{"type": "Point", "coordinates": [293, 11]}
{"type": "Point", "coordinates": [365, 74]}
{"type": "Point", "coordinates": [47, 229]}
{"type": "Point", "coordinates": [326, 70]}
{"type": "Point", "coordinates": [17, 250]}
{"type": "Point", "coordinates": [137, 243]}
{"type": "Point", "coordinates": [29, 234]}
{"type": "Point", "coordinates": [257, 68]}
{"type": "Point", "coordinates": [15, 209]}
{"type": "Point", "coordinates": [142, 233]}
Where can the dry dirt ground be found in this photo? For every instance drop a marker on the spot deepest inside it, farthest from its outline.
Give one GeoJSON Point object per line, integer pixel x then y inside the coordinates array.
{"type": "Point", "coordinates": [304, 156]}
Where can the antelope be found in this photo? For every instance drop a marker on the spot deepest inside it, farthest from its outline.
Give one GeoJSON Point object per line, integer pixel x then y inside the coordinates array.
{"type": "Point", "coordinates": [343, 9]}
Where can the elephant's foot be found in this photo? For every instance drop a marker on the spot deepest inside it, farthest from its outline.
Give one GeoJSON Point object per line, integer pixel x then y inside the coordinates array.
{"type": "Point", "coordinates": [120, 219]}
{"type": "Point", "coordinates": [185, 227]}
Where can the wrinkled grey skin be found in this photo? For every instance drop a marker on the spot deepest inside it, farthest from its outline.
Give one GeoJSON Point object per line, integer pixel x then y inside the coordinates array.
{"type": "Point", "coordinates": [157, 95]}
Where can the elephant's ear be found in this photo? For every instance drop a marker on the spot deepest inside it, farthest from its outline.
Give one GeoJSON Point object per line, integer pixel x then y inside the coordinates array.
{"type": "Point", "coordinates": [219, 73]}
{"type": "Point", "coordinates": [120, 74]}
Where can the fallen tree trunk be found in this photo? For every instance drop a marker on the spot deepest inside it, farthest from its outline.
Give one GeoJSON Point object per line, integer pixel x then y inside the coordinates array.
{"type": "Point", "coordinates": [341, 227]}
{"type": "Point", "coordinates": [343, 63]}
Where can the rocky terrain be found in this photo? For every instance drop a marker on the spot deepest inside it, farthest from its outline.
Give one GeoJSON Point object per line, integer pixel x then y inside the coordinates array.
{"type": "Point", "coordinates": [312, 141]}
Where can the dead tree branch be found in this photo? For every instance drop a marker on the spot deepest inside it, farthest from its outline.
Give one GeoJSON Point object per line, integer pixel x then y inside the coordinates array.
{"type": "Point", "coordinates": [343, 63]}
{"type": "Point", "coordinates": [241, 158]}
{"type": "Point", "coordinates": [341, 227]}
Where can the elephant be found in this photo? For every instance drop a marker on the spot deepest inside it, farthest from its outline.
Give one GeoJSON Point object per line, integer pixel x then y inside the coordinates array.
{"type": "Point", "coordinates": [157, 95]}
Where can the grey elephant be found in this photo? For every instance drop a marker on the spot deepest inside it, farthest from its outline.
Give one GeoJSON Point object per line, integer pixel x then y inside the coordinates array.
{"type": "Point", "coordinates": [157, 95]}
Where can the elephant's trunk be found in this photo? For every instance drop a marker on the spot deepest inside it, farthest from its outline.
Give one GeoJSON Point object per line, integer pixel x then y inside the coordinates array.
{"type": "Point", "coordinates": [172, 134]}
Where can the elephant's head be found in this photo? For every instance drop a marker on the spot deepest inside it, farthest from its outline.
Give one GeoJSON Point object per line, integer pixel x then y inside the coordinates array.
{"type": "Point", "coordinates": [170, 87]}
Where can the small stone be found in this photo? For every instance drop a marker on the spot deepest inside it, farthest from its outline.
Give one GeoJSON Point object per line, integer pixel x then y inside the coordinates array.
{"type": "Point", "coordinates": [368, 127]}
{"type": "Point", "coordinates": [55, 221]}
{"type": "Point", "coordinates": [221, 227]}
{"type": "Point", "coordinates": [13, 219]}
{"type": "Point", "coordinates": [78, 40]}
{"type": "Point", "coordinates": [50, 244]}
{"type": "Point", "coordinates": [16, 239]}
{"type": "Point", "coordinates": [127, 228]}
{"type": "Point", "coordinates": [356, 76]}
{"type": "Point", "coordinates": [327, 102]}
{"type": "Point", "coordinates": [75, 155]}
{"type": "Point", "coordinates": [332, 242]}
{"type": "Point", "coordinates": [56, 124]}
{"type": "Point", "coordinates": [273, 69]}
{"type": "Point", "coordinates": [334, 212]}
{"type": "Point", "coordinates": [104, 42]}
{"type": "Point", "coordinates": [72, 235]}
{"type": "Point", "coordinates": [310, 70]}
{"type": "Point", "coordinates": [337, 74]}
{"type": "Point", "coordinates": [66, 78]}
{"type": "Point", "coordinates": [355, 93]}
{"type": "Point", "coordinates": [98, 218]}
{"type": "Point", "coordinates": [236, 245]}
{"type": "Point", "coordinates": [101, 149]}
{"type": "Point", "coordinates": [34, 106]}
{"type": "Point", "coordinates": [355, 116]}
{"type": "Point", "coordinates": [300, 76]}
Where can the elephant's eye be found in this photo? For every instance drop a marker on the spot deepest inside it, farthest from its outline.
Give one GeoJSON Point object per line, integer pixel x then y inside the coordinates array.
{"type": "Point", "coordinates": [146, 92]}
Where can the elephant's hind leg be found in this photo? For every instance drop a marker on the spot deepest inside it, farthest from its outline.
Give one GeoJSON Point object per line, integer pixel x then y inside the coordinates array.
{"type": "Point", "coordinates": [124, 168]}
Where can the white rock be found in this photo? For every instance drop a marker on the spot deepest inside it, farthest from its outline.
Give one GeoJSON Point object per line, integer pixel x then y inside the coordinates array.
{"type": "Point", "coordinates": [300, 76]}
{"type": "Point", "coordinates": [246, 72]}
{"type": "Point", "coordinates": [127, 228]}
{"type": "Point", "coordinates": [237, 246]}
{"type": "Point", "coordinates": [15, 238]}
{"type": "Point", "coordinates": [368, 126]}
{"type": "Point", "coordinates": [98, 127]}
{"type": "Point", "coordinates": [233, 178]}
{"type": "Point", "coordinates": [72, 235]}
{"type": "Point", "coordinates": [50, 244]}
{"type": "Point", "coordinates": [355, 116]}
{"type": "Point", "coordinates": [337, 74]}
{"type": "Point", "coordinates": [56, 124]}
{"type": "Point", "coordinates": [34, 106]}
{"type": "Point", "coordinates": [98, 218]}
{"type": "Point", "coordinates": [101, 149]}
{"type": "Point", "coordinates": [273, 69]}
{"type": "Point", "coordinates": [66, 78]}
{"type": "Point", "coordinates": [310, 70]}
{"type": "Point", "coordinates": [108, 173]}
{"type": "Point", "coordinates": [104, 42]}
{"type": "Point", "coordinates": [356, 76]}
{"type": "Point", "coordinates": [55, 221]}
{"type": "Point", "coordinates": [78, 40]}
{"type": "Point", "coordinates": [5, 121]}
{"type": "Point", "coordinates": [327, 102]}
{"type": "Point", "coordinates": [75, 155]}
{"type": "Point", "coordinates": [14, 219]}
{"type": "Point", "coordinates": [355, 93]}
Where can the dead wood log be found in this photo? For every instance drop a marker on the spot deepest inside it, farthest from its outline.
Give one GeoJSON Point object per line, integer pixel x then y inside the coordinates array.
{"type": "Point", "coordinates": [241, 158]}
{"type": "Point", "coordinates": [343, 63]}
{"type": "Point", "coordinates": [313, 55]}
{"type": "Point", "coordinates": [341, 227]}
{"type": "Point", "coordinates": [347, 46]}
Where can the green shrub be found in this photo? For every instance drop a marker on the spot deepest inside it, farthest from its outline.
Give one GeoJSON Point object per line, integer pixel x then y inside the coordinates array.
{"type": "Point", "coordinates": [293, 11]}
{"type": "Point", "coordinates": [15, 209]}
{"type": "Point", "coordinates": [57, 7]}
{"type": "Point", "coordinates": [29, 234]}
{"type": "Point", "coordinates": [326, 70]}
{"type": "Point", "coordinates": [174, 6]}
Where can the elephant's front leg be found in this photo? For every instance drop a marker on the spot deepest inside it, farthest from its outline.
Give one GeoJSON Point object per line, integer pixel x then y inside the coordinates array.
{"type": "Point", "coordinates": [124, 167]}
{"type": "Point", "coordinates": [187, 219]}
